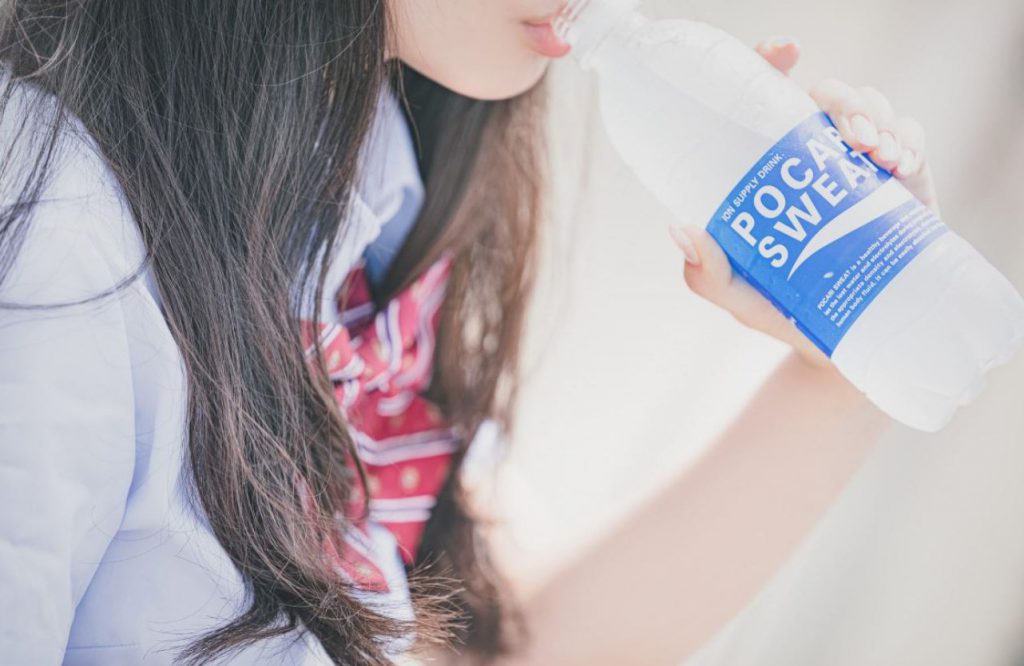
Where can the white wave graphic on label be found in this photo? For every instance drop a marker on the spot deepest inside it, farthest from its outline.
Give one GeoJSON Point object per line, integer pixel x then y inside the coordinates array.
{"type": "Point", "coordinates": [889, 196]}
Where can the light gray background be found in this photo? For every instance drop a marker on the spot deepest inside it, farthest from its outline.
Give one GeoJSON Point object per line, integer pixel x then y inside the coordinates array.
{"type": "Point", "coordinates": [921, 561]}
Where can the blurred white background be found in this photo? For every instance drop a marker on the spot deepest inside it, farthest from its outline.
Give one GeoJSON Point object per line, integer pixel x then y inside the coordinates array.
{"type": "Point", "coordinates": [921, 561]}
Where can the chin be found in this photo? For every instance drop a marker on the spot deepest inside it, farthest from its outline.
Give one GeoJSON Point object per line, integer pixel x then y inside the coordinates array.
{"type": "Point", "coordinates": [496, 86]}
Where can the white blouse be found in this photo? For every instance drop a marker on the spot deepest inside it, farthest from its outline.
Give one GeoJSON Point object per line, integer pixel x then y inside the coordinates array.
{"type": "Point", "coordinates": [102, 559]}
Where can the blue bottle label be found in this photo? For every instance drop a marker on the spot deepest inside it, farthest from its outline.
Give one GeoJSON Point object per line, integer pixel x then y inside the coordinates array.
{"type": "Point", "coordinates": [820, 230]}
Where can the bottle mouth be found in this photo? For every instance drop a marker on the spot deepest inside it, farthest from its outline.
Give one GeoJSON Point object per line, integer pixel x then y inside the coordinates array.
{"type": "Point", "coordinates": [583, 24]}
{"type": "Point", "coordinates": [566, 19]}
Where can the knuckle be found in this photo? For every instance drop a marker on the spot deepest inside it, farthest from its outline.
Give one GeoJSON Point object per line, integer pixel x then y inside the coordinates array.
{"type": "Point", "coordinates": [856, 99]}
{"type": "Point", "coordinates": [911, 133]}
{"type": "Point", "coordinates": [708, 289]}
{"type": "Point", "coordinates": [694, 282]}
{"type": "Point", "coordinates": [830, 91]}
{"type": "Point", "coordinates": [742, 318]}
{"type": "Point", "coordinates": [878, 102]}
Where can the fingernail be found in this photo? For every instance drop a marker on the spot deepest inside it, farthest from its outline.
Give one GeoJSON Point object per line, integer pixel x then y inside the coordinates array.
{"type": "Point", "coordinates": [888, 148]}
{"type": "Point", "coordinates": [685, 244]}
{"type": "Point", "coordinates": [908, 163]}
{"type": "Point", "coordinates": [864, 130]}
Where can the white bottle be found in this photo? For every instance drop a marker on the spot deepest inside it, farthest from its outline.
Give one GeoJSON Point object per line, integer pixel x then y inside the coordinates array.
{"type": "Point", "coordinates": [907, 310]}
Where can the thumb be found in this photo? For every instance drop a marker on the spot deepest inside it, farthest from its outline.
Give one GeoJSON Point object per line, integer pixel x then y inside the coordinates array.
{"type": "Point", "coordinates": [711, 277]}
{"type": "Point", "coordinates": [707, 271]}
{"type": "Point", "coordinates": [709, 274]}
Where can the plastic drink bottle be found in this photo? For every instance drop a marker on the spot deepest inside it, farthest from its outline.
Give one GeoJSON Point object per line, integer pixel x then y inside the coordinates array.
{"type": "Point", "coordinates": [907, 310]}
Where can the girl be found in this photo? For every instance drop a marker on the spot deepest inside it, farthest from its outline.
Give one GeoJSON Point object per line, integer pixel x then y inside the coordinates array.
{"type": "Point", "coordinates": [264, 271]}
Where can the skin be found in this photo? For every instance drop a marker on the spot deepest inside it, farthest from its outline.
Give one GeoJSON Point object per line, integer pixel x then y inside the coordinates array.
{"type": "Point", "coordinates": [868, 122]}
{"type": "Point", "coordinates": [737, 513]}
{"type": "Point", "coordinates": [483, 49]}
{"type": "Point", "coordinates": [479, 48]}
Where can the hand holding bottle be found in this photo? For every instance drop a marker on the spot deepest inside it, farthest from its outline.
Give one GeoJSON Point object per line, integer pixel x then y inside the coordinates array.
{"type": "Point", "coordinates": [823, 204]}
{"type": "Point", "coordinates": [868, 122]}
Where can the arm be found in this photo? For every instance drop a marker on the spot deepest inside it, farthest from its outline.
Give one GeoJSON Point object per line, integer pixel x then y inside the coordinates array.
{"type": "Point", "coordinates": [666, 579]}
{"type": "Point", "coordinates": [66, 437]}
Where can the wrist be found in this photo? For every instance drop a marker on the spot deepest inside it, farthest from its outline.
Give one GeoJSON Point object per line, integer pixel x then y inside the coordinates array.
{"type": "Point", "coordinates": [818, 369]}
{"type": "Point", "coordinates": [820, 365]}
{"type": "Point", "coordinates": [817, 360]}
{"type": "Point", "coordinates": [808, 353]}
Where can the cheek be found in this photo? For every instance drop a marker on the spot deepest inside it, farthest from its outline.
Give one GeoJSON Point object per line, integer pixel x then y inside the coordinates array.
{"type": "Point", "coordinates": [477, 49]}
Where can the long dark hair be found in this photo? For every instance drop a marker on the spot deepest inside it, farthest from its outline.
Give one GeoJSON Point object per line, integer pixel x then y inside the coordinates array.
{"type": "Point", "coordinates": [234, 130]}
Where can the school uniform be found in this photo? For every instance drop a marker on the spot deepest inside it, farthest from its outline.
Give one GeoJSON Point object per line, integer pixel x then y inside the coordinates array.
{"type": "Point", "coordinates": [104, 559]}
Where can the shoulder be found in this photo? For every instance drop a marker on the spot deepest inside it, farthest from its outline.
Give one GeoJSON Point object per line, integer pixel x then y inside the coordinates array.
{"type": "Point", "coordinates": [80, 238]}
{"type": "Point", "coordinates": [386, 201]}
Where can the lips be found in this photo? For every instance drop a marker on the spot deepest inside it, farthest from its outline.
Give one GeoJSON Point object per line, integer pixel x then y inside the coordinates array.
{"type": "Point", "coordinates": [545, 42]}
{"type": "Point", "coordinates": [543, 38]}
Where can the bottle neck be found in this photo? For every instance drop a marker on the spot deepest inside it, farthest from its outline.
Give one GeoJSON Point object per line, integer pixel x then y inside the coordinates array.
{"type": "Point", "coordinates": [588, 25]}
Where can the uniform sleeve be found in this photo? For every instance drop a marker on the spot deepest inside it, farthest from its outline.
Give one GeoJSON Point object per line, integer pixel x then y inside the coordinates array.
{"type": "Point", "coordinates": [66, 437]}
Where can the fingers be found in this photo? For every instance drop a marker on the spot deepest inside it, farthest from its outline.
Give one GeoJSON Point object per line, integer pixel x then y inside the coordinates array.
{"type": "Point", "coordinates": [782, 53]}
{"type": "Point", "coordinates": [709, 275]}
{"type": "Point", "coordinates": [912, 137]}
{"type": "Point", "coordinates": [913, 169]}
{"type": "Point", "coordinates": [849, 111]}
{"type": "Point", "coordinates": [880, 112]}
{"type": "Point", "coordinates": [866, 120]}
